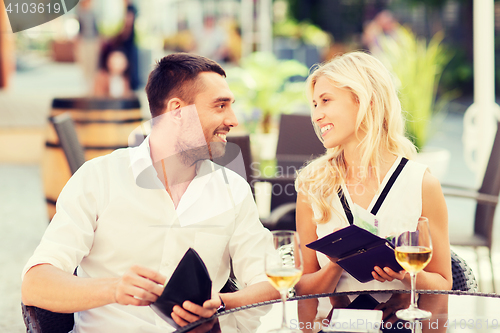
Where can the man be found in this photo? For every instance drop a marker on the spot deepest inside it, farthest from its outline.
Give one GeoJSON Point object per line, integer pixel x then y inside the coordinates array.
{"type": "Point", "coordinates": [127, 218]}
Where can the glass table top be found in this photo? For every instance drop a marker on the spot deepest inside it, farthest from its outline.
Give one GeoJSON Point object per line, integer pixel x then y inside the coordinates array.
{"type": "Point", "coordinates": [452, 311]}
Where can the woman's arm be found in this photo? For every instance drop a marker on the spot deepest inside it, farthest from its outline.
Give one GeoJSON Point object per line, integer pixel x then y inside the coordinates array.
{"type": "Point", "coordinates": [437, 275]}
{"type": "Point", "coordinates": [314, 279]}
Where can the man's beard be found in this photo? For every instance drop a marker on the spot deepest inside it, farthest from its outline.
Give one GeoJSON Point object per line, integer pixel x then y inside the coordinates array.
{"type": "Point", "coordinates": [190, 156]}
{"type": "Point", "coordinates": [217, 149]}
{"type": "Point", "coordinates": [214, 150]}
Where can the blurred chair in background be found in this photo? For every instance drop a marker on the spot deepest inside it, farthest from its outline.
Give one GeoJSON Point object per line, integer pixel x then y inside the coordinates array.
{"type": "Point", "coordinates": [297, 144]}
{"type": "Point", "coordinates": [243, 141]}
{"type": "Point", "coordinates": [68, 139]}
{"type": "Point", "coordinates": [102, 125]}
{"type": "Point", "coordinates": [486, 198]}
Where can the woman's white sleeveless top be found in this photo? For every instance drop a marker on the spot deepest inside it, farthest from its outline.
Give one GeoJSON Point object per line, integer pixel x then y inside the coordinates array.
{"type": "Point", "coordinates": [399, 212]}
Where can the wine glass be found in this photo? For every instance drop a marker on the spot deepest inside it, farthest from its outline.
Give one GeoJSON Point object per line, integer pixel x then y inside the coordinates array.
{"type": "Point", "coordinates": [413, 253]}
{"type": "Point", "coordinates": [284, 267]}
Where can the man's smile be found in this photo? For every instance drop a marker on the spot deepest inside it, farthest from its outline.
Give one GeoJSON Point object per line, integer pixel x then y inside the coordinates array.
{"type": "Point", "coordinates": [221, 135]}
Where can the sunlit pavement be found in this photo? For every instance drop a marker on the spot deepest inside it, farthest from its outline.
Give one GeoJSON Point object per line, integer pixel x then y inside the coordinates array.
{"type": "Point", "coordinates": [23, 111]}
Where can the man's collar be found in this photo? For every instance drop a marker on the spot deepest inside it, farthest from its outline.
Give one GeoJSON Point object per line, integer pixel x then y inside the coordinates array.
{"type": "Point", "coordinates": [140, 158]}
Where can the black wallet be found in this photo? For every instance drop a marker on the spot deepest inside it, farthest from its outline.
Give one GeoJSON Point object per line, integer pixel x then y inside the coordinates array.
{"type": "Point", "coordinates": [358, 251]}
{"type": "Point", "coordinates": [189, 282]}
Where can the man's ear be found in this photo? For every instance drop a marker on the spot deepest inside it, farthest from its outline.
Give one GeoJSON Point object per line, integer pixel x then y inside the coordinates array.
{"type": "Point", "coordinates": [174, 104]}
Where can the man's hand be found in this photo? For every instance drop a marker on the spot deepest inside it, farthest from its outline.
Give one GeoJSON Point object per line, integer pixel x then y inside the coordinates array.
{"type": "Point", "coordinates": [139, 286]}
{"type": "Point", "coordinates": [190, 312]}
{"type": "Point", "coordinates": [387, 274]}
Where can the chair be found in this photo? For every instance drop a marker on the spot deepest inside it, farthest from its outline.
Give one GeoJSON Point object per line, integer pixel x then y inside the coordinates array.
{"type": "Point", "coordinates": [278, 218]}
{"type": "Point", "coordinates": [68, 139]}
{"type": "Point", "coordinates": [297, 143]}
{"type": "Point", "coordinates": [38, 320]}
{"type": "Point", "coordinates": [243, 141]}
{"type": "Point", "coordinates": [463, 277]}
{"type": "Point", "coordinates": [486, 198]}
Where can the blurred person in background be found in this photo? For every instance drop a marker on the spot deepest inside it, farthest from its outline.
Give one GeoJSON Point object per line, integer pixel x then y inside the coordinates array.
{"type": "Point", "coordinates": [213, 41]}
{"type": "Point", "coordinates": [111, 80]}
{"type": "Point", "coordinates": [118, 74]}
{"type": "Point", "coordinates": [383, 24]}
{"type": "Point", "coordinates": [182, 41]}
{"type": "Point", "coordinates": [233, 40]}
{"type": "Point", "coordinates": [126, 41]}
{"type": "Point", "coordinates": [88, 42]}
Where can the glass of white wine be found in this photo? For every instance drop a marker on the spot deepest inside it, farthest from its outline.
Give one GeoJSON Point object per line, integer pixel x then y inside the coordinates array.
{"type": "Point", "coordinates": [284, 267]}
{"type": "Point", "coordinates": [413, 253]}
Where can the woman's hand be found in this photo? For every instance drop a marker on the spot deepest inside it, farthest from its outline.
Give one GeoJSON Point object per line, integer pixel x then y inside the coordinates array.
{"type": "Point", "coordinates": [387, 274]}
{"type": "Point", "coordinates": [332, 259]}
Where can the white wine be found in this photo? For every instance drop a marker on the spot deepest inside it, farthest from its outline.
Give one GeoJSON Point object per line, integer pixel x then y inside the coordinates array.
{"type": "Point", "coordinates": [413, 258]}
{"type": "Point", "coordinates": [284, 278]}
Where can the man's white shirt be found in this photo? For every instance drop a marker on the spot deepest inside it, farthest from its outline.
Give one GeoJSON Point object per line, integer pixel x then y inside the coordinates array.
{"type": "Point", "coordinates": [115, 213]}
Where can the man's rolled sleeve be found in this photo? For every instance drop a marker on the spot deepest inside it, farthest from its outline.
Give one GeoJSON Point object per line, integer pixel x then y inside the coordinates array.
{"type": "Point", "coordinates": [249, 242]}
{"type": "Point", "coordinates": [69, 236]}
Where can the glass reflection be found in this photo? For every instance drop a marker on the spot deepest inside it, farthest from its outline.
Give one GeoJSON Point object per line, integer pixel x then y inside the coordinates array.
{"type": "Point", "coordinates": [308, 321]}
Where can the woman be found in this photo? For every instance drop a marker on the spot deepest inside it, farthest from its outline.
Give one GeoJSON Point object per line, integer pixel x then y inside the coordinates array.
{"type": "Point", "coordinates": [111, 80]}
{"type": "Point", "coordinates": [358, 117]}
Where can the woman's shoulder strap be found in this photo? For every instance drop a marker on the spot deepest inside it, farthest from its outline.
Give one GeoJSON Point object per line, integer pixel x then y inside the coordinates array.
{"type": "Point", "coordinates": [388, 186]}
{"type": "Point", "coordinates": [381, 198]}
{"type": "Point", "coordinates": [345, 205]}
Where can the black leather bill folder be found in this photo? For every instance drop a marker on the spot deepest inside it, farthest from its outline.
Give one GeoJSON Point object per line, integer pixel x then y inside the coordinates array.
{"type": "Point", "coordinates": [358, 251]}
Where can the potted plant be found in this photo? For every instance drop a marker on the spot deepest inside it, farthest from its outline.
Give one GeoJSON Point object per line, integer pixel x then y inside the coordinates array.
{"type": "Point", "coordinates": [418, 66]}
{"type": "Point", "coordinates": [262, 86]}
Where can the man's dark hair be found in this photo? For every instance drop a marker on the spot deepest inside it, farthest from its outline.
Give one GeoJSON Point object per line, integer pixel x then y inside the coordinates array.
{"type": "Point", "coordinates": [176, 75]}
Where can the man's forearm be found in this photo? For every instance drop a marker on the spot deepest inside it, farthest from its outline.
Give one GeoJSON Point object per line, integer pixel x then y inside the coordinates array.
{"type": "Point", "coordinates": [259, 292]}
{"type": "Point", "coordinates": [50, 288]}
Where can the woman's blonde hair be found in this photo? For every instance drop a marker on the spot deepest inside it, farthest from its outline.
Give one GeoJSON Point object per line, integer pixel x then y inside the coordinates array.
{"type": "Point", "coordinates": [379, 118]}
